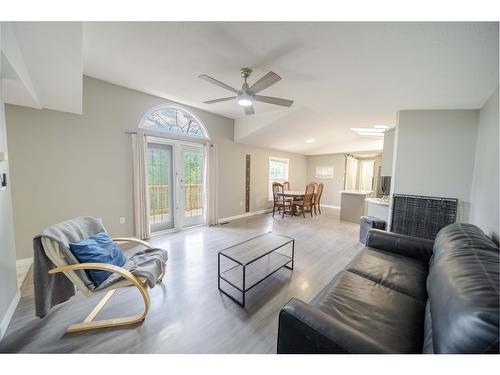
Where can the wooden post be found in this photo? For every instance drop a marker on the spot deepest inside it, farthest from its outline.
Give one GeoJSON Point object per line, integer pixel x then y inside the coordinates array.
{"type": "Point", "coordinates": [247, 185]}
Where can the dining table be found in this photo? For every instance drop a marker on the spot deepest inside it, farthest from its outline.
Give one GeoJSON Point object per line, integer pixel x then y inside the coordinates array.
{"type": "Point", "coordinates": [296, 195]}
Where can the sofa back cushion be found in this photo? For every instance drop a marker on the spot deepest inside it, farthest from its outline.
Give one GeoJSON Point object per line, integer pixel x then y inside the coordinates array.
{"type": "Point", "coordinates": [463, 289]}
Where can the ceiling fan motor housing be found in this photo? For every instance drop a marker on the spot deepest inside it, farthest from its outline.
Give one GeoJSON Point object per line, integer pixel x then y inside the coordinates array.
{"type": "Point", "coordinates": [245, 72]}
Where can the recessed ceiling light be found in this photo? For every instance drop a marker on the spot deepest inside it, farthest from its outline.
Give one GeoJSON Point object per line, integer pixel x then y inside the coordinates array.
{"type": "Point", "coordinates": [371, 134]}
{"type": "Point", "coordinates": [381, 126]}
{"type": "Point", "coordinates": [367, 130]}
{"type": "Point", "coordinates": [310, 140]}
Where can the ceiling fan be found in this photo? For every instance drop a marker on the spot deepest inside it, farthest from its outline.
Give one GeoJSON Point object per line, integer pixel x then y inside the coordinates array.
{"type": "Point", "coordinates": [247, 95]}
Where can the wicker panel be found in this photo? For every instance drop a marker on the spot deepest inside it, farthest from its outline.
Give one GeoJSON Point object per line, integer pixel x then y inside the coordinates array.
{"type": "Point", "coordinates": [421, 216]}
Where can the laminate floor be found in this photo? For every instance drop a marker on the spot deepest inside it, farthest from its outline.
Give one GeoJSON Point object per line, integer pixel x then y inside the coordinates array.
{"type": "Point", "coordinates": [188, 313]}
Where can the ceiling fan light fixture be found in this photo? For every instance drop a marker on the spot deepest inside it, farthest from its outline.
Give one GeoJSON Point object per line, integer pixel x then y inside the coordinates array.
{"type": "Point", "coordinates": [245, 100]}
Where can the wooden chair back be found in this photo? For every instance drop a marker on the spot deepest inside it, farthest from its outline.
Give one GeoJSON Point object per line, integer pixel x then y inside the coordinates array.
{"type": "Point", "coordinates": [277, 191]}
{"type": "Point", "coordinates": [286, 186]}
{"type": "Point", "coordinates": [319, 193]}
{"type": "Point", "coordinates": [309, 194]}
{"type": "Point", "coordinates": [315, 190]}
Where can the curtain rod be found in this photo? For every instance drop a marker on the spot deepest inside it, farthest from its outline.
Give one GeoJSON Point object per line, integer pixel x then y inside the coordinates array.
{"type": "Point", "coordinates": [135, 132]}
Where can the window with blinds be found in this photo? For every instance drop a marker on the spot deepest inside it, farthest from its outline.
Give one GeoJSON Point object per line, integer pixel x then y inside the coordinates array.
{"type": "Point", "coordinates": [278, 172]}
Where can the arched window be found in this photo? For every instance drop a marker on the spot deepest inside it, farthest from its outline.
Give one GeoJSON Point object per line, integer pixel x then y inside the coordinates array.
{"type": "Point", "coordinates": [174, 120]}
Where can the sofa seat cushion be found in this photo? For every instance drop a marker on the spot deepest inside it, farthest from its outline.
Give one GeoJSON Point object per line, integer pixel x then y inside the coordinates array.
{"type": "Point", "coordinates": [403, 274]}
{"type": "Point", "coordinates": [390, 321]}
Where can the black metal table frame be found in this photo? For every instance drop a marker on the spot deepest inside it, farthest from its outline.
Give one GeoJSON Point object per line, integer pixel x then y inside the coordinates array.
{"type": "Point", "coordinates": [244, 290]}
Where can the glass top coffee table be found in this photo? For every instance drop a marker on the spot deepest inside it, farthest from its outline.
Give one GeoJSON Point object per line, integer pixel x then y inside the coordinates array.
{"type": "Point", "coordinates": [247, 263]}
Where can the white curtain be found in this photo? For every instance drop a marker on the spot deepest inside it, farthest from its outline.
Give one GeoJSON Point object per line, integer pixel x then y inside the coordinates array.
{"type": "Point", "coordinates": [366, 174]}
{"type": "Point", "coordinates": [141, 200]}
{"type": "Point", "coordinates": [351, 173]}
{"type": "Point", "coordinates": [211, 183]}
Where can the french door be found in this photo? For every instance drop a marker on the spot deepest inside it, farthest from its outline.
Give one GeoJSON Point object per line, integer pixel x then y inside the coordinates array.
{"type": "Point", "coordinates": [160, 186]}
{"type": "Point", "coordinates": [176, 184]}
{"type": "Point", "coordinates": [192, 187]}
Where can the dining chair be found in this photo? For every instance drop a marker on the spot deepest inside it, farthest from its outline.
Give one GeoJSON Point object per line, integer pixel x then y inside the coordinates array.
{"type": "Point", "coordinates": [286, 186]}
{"type": "Point", "coordinates": [307, 203]}
{"type": "Point", "coordinates": [279, 200]}
{"type": "Point", "coordinates": [317, 198]}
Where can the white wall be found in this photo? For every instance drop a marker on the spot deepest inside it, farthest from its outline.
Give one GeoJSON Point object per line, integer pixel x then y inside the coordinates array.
{"type": "Point", "coordinates": [388, 152]}
{"type": "Point", "coordinates": [332, 188]}
{"type": "Point", "coordinates": [484, 193]}
{"type": "Point", "coordinates": [65, 165]}
{"type": "Point", "coordinates": [434, 154]}
{"type": "Point", "coordinates": [8, 281]}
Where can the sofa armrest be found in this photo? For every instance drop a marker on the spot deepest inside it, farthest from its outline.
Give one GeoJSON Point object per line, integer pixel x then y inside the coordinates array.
{"type": "Point", "coordinates": [413, 247]}
{"type": "Point", "coordinates": [305, 329]}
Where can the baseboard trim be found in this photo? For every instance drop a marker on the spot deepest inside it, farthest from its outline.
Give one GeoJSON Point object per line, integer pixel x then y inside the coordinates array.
{"type": "Point", "coordinates": [8, 314]}
{"type": "Point", "coordinates": [24, 262]}
{"type": "Point", "coordinates": [246, 214]}
{"type": "Point", "coordinates": [24, 265]}
{"type": "Point", "coordinates": [328, 206]}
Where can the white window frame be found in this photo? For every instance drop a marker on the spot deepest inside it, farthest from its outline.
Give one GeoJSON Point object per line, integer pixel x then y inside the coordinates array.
{"type": "Point", "coordinates": [173, 135]}
{"type": "Point", "coordinates": [324, 172]}
{"type": "Point", "coordinates": [270, 180]}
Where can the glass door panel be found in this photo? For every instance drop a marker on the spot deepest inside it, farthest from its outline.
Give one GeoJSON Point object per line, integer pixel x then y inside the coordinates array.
{"type": "Point", "coordinates": [160, 187]}
{"type": "Point", "coordinates": [192, 185]}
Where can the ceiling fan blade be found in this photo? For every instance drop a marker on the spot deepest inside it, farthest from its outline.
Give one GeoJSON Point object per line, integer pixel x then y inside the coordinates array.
{"type": "Point", "coordinates": [218, 83]}
{"type": "Point", "coordinates": [266, 81]}
{"type": "Point", "coordinates": [249, 110]}
{"type": "Point", "coordinates": [219, 100]}
{"type": "Point", "coordinates": [273, 100]}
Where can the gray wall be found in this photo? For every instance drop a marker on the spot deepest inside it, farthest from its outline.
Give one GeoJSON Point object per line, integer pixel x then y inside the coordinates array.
{"type": "Point", "coordinates": [65, 165]}
{"type": "Point", "coordinates": [388, 152]}
{"type": "Point", "coordinates": [332, 188]}
{"type": "Point", "coordinates": [434, 154]}
{"type": "Point", "coordinates": [484, 195]}
{"type": "Point", "coordinates": [8, 280]}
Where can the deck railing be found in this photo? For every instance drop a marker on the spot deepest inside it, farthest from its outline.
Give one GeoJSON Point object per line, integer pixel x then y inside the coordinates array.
{"type": "Point", "coordinates": [159, 205]}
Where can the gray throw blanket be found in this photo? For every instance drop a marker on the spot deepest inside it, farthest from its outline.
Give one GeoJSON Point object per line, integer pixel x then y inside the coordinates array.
{"type": "Point", "coordinates": [51, 290]}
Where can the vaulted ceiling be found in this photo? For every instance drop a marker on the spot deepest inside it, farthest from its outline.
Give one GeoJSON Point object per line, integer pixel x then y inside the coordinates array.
{"type": "Point", "coordinates": [42, 64]}
{"type": "Point", "coordinates": [340, 75]}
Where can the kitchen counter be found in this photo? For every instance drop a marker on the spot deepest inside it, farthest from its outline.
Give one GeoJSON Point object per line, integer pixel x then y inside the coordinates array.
{"type": "Point", "coordinates": [352, 204]}
{"type": "Point", "coordinates": [380, 201]}
{"type": "Point", "coordinates": [378, 207]}
{"type": "Point", "coordinates": [356, 192]}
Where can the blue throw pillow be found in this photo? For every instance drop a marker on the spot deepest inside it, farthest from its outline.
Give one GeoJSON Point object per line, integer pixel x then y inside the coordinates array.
{"type": "Point", "coordinates": [98, 249]}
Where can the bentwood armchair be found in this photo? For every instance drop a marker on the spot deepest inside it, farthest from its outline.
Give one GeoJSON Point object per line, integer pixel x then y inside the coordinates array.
{"type": "Point", "coordinates": [55, 254]}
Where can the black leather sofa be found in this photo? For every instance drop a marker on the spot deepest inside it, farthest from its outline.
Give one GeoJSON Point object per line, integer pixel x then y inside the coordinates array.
{"type": "Point", "coordinates": [404, 295]}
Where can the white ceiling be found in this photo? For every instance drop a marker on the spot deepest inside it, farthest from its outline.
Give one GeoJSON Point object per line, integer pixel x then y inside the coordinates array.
{"type": "Point", "coordinates": [340, 75]}
{"type": "Point", "coordinates": [42, 65]}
